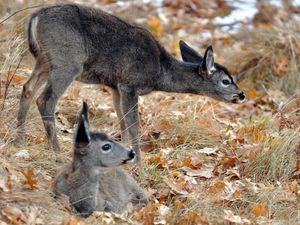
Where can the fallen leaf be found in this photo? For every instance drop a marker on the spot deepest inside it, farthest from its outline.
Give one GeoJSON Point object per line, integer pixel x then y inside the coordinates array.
{"type": "Point", "coordinates": [228, 162]}
{"type": "Point", "coordinates": [193, 219]}
{"type": "Point", "coordinates": [260, 210]}
{"type": "Point", "coordinates": [186, 161]}
{"type": "Point", "coordinates": [74, 221]}
{"type": "Point", "coordinates": [3, 186]}
{"type": "Point", "coordinates": [217, 189]}
{"type": "Point", "coordinates": [294, 187]}
{"type": "Point", "coordinates": [175, 186]}
{"type": "Point", "coordinates": [252, 94]}
{"type": "Point", "coordinates": [229, 216]}
{"type": "Point", "coordinates": [204, 172]}
{"type": "Point", "coordinates": [157, 160]}
{"type": "Point", "coordinates": [208, 151]}
{"type": "Point", "coordinates": [179, 204]}
{"type": "Point", "coordinates": [281, 65]}
{"type": "Point", "coordinates": [147, 214]}
{"type": "Point", "coordinates": [232, 173]}
{"type": "Point", "coordinates": [28, 174]}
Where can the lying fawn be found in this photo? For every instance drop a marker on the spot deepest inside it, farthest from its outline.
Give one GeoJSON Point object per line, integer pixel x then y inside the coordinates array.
{"type": "Point", "coordinates": [94, 180]}
{"type": "Point", "coordinates": [73, 42]}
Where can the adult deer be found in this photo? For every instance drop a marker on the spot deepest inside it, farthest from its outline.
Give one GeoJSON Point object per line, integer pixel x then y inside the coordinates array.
{"type": "Point", "coordinates": [73, 42]}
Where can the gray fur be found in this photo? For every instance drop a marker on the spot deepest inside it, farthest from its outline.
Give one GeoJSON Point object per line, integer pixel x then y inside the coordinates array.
{"type": "Point", "coordinates": [94, 180]}
{"type": "Point", "coordinates": [73, 42]}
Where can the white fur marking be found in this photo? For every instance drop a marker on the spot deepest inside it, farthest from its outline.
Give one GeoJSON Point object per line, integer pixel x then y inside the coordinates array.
{"type": "Point", "coordinates": [33, 31]}
{"type": "Point", "coordinates": [212, 70]}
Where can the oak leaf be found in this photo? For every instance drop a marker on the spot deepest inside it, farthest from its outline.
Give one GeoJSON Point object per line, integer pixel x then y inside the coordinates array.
{"type": "Point", "coordinates": [204, 172]}
{"type": "Point", "coordinates": [147, 214]}
{"type": "Point", "coordinates": [192, 218]}
{"type": "Point", "coordinates": [260, 210]}
{"type": "Point", "coordinates": [28, 174]}
{"type": "Point", "coordinates": [176, 187]}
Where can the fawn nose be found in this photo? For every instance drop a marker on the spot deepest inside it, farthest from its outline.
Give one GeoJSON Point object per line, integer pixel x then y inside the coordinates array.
{"type": "Point", "coordinates": [241, 96]}
{"type": "Point", "coordinates": [131, 154]}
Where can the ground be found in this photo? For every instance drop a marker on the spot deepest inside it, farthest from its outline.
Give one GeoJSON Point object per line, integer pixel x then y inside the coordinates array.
{"type": "Point", "coordinates": [203, 161]}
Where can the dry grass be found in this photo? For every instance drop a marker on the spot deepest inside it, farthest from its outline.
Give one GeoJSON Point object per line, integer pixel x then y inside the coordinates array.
{"type": "Point", "coordinates": [277, 162]}
{"type": "Point", "coordinates": [268, 57]}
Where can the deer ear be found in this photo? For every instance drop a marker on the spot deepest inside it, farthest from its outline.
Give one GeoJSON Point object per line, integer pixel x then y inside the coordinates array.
{"type": "Point", "coordinates": [82, 136]}
{"type": "Point", "coordinates": [84, 112]}
{"type": "Point", "coordinates": [207, 64]}
{"type": "Point", "coordinates": [188, 54]}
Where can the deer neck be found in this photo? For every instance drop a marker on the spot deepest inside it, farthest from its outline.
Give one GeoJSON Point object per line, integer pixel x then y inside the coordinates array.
{"type": "Point", "coordinates": [177, 76]}
{"type": "Point", "coordinates": [91, 172]}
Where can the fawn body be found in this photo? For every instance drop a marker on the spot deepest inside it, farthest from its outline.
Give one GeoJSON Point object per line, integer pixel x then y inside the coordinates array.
{"type": "Point", "coordinates": [73, 42]}
{"type": "Point", "coordinates": [94, 180]}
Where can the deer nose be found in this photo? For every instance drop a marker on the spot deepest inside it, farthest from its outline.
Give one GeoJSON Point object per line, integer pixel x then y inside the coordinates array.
{"type": "Point", "coordinates": [241, 96]}
{"type": "Point", "coordinates": [131, 154]}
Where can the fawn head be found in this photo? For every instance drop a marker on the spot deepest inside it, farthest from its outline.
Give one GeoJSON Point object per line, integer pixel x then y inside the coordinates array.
{"type": "Point", "coordinates": [98, 149]}
{"type": "Point", "coordinates": [218, 82]}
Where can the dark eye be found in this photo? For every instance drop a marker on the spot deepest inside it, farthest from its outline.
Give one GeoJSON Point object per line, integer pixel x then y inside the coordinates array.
{"type": "Point", "coordinates": [106, 147]}
{"type": "Point", "coordinates": [225, 82]}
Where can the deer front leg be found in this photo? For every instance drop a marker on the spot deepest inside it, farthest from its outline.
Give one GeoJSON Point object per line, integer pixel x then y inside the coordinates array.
{"type": "Point", "coordinates": [129, 107]}
{"type": "Point", "coordinates": [86, 201]}
{"type": "Point", "coordinates": [137, 195]}
{"type": "Point", "coordinates": [117, 105]}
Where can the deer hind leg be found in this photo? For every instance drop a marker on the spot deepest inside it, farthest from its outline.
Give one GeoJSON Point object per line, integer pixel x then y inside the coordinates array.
{"type": "Point", "coordinates": [59, 80]}
{"type": "Point", "coordinates": [30, 88]}
{"type": "Point", "coordinates": [117, 105]}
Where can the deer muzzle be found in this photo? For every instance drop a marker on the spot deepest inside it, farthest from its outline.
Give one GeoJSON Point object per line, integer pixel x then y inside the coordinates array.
{"type": "Point", "coordinates": [131, 157]}
{"type": "Point", "coordinates": [239, 98]}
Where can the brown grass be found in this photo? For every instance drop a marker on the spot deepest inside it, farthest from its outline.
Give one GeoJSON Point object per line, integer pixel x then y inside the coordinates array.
{"type": "Point", "coordinates": [268, 57]}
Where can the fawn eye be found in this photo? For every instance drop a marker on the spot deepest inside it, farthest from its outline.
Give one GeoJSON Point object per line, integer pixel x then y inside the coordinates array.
{"type": "Point", "coordinates": [106, 147]}
{"type": "Point", "coordinates": [226, 82]}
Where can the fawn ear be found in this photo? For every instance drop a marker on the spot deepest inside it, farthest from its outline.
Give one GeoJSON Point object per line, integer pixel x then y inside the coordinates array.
{"type": "Point", "coordinates": [85, 111]}
{"type": "Point", "coordinates": [207, 65]}
{"type": "Point", "coordinates": [188, 54]}
{"type": "Point", "coordinates": [82, 136]}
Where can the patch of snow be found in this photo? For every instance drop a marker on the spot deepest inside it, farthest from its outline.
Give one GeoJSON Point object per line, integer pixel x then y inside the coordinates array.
{"type": "Point", "coordinates": [23, 154]}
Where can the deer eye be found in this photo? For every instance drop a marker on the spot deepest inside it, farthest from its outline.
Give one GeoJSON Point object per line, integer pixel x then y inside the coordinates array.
{"type": "Point", "coordinates": [106, 147]}
{"type": "Point", "coordinates": [226, 82]}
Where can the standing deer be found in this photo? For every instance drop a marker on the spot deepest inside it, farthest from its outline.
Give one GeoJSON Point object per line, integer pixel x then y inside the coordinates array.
{"type": "Point", "coordinates": [73, 42]}
{"type": "Point", "coordinates": [95, 180]}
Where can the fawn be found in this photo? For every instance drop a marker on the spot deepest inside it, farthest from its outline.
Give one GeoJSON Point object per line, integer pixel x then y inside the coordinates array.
{"type": "Point", "coordinates": [95, 180]}
{"type": "Point", "coordinates": [73, 42]}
